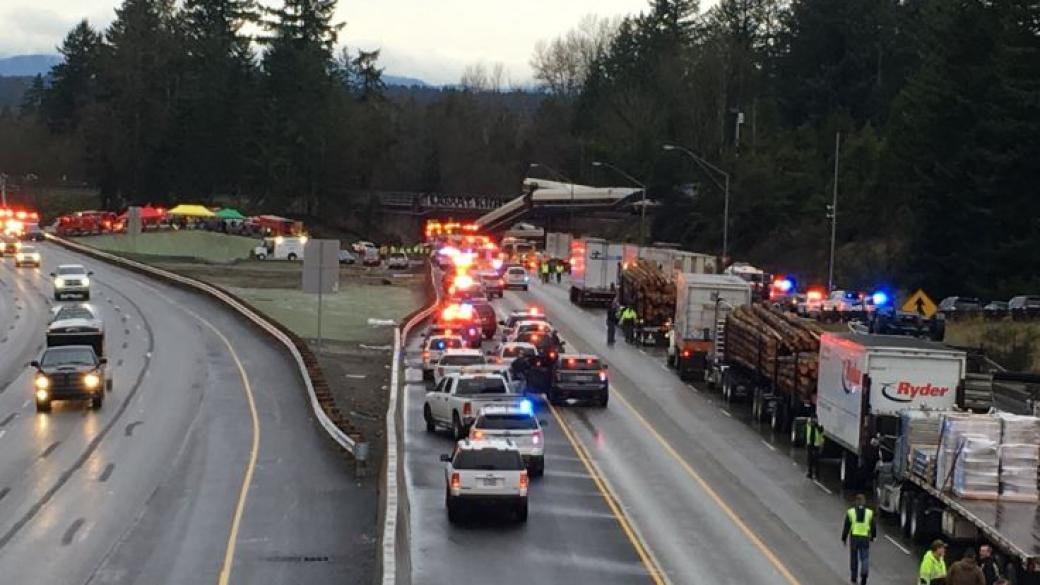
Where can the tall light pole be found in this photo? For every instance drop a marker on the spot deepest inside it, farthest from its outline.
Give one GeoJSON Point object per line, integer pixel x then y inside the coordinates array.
{"type": "Point", "coordinates": [642, 218]}
{"type": "Point", "coordinates": [561, 177]}
{"type": "Point", "coordinates": [708, 168]}
{"type": "Point", "coordinates": [3, 189]}
{"type": "Point", "coordinates": [832, 211]}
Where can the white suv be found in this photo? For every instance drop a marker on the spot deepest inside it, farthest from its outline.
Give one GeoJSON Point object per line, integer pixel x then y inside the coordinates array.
{"type": "Point", "coordinates": [453, 360]}
{"type": "Point", "coordinates": [517, 424]}
{"type": "Point", "coordinates": [71, 279]}
{"type": "Point", "coordinates": [485, 473]}
{"type": "Point", "coordinates": [516, 277]}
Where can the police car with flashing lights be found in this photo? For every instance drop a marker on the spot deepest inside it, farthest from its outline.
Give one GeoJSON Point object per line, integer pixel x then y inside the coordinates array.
{"type": "Point", "coordinates": [517, 424]}
{"type": "Point", "coordinates": [434, 348]}
{"type": "Point", "coordinates": [485, 473]}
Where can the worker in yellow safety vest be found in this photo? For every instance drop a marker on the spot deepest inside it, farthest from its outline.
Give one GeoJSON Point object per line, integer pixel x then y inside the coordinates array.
{"type": "Point", "coordinates": [859, 531]}
{"type": "Point", "coordinates": [628, 322]}
{"type": "Point", "coordinates": [933, 565]}
{"type": "Point", "coordinates": [813, 446]}
{"type": "Point", "coordinates": [545, 272]}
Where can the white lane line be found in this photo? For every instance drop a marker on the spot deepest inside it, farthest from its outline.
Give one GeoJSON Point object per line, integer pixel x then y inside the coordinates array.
{"type": "Point", "coordinates": [2, 433]}
{"type": "Point", "coordinates": [897, 545]}
{"type": "Point", "coordinates": [26, 403]}
{"type": "Point", "coordinates": [726, 412]}
{"type": "Point", "coordinates": [766, 443]}
{"type": "Point", "coordinates": [822, 487]}
{"type": "Point", "coordinates": [694, 388]}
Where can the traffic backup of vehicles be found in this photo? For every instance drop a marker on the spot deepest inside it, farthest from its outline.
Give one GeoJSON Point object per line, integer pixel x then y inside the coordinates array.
{"type": "Point", "coordinates": [456, 399]}
{"type": "Point", "coordinates": [517, 424]}
{"type": "Point", "coordinates": [434, 348]}
{"type": "Point", "coordinates": [71, 372]}
{"type": "Point", "coordinates": [71, 280]}
{"type": "Point", "coordinates": [579, 377]}
{"type": "Point", "coordinates": [485, 473]}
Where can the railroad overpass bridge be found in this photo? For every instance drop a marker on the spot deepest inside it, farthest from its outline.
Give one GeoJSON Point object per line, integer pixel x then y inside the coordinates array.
{"type": "Point", "coordinates": [542, 201]}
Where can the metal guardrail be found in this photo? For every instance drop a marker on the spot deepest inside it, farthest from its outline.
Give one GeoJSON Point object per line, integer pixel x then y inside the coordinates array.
{"type": "Point", "coordinates": [323, 407]}
{"type": "Point", "coordinates": [394, 436]}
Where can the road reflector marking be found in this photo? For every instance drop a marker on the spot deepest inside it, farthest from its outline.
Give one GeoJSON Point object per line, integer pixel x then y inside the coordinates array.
{"type": "Point", "coordinates": [770, 447]}
{"type": "Point", "coordinates": [823, 487]}
{"type": "Point", "coordinates": [897, 545]}
{"type": "Point", "coordinates": [726, 412]}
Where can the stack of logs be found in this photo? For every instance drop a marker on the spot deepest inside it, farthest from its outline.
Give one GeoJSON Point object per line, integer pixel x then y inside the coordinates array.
{"type": "Point", "coordinates": [777, 345]}
{"type": "Point", "coordinates": [646, 288]}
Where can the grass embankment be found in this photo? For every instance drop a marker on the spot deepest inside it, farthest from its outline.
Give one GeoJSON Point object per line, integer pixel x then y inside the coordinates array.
{"type": "Point", "coordinates": [1012, 344]}
{"type": "Point", "coordinates": [202, 246]}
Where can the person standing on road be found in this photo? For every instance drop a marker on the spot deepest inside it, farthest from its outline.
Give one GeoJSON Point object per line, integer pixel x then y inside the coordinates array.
{"type": "Point", "coordinates": [611, 324]}
{"type": "Point", "coordinates": [559, 271]}
{"type": "Point", "coordinates": [545, 272]}
{"type": "Point", "coordinates": [813, 446]}
{"type": "Point", "coordinates": [989, 565]}
{"type": "Point", "coordinates": [859, 531]}
{"type": "Point", "coordinates": [628, 321]}
{"type": "Point", "coordinates": [965, 571]}
{"type": "Point", "coordinates": [933, 565]}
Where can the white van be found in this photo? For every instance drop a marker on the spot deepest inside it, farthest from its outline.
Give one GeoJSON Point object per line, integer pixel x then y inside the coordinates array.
{"type": "Point", "coordinates": [281, 248]}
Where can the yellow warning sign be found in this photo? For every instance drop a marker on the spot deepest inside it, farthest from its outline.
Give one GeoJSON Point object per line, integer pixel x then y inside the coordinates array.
{"type": "Point", "coordinates": [920, 303]}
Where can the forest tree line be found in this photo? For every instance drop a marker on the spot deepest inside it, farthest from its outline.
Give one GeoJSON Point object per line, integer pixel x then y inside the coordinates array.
{"type": "Point", "coordinates": [935, 102]}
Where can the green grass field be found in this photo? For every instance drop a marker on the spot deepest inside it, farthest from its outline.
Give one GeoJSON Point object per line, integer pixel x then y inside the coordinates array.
{"type": "Point", "coordinates": [201, 245]}
{"type": "Point", "coordinates": [1012, 344]}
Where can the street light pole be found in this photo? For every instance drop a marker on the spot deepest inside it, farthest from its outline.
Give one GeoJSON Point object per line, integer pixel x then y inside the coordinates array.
{"type": "Point", "coordinates": [833, 211]}
{"type": "Point", "coordinates": [708, 167]}
{"type": "Point", "coordinates": [642, 218]}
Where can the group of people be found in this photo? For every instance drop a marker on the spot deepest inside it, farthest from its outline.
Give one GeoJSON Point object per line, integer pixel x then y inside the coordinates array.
{"type": "Point", "coordinates": [860, 529]}
{"type": "Point", "coordinates": [623, 316]}
{"type": "Point", "coordinates": [549, 268]}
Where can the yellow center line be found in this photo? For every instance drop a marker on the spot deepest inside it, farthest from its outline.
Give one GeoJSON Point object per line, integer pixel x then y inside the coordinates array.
{"type": "Point", "coordinates": [615, 508]}
{"type": "Point", "coordinates": [750, 534]}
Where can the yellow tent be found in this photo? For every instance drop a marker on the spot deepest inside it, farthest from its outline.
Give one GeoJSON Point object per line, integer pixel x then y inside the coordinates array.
{"type": "Point", "coordinates": [191, 211]}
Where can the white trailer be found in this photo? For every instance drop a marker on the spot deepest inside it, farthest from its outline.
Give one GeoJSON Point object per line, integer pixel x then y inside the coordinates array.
{"type": "Point", "coordinates": [702, 302]}
{"type": "Point", "coordinates": [558, 246]}
{"type": "Point", "coordinates": [866, 381]}
{"type": "Point", "coordinates": [594, 271]}
{"type": "Point", "coordinates": [281, 248]}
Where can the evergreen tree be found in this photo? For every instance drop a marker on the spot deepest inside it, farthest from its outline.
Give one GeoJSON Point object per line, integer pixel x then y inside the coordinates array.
{"type": "Point", "coordinates": [74, 81]}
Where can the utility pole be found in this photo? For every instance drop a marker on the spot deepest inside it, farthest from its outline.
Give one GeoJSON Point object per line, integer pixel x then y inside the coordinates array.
{"type": "Point", "coordinates": [833, 210]}
{"type": "Point", "coordinates": [3, 190]}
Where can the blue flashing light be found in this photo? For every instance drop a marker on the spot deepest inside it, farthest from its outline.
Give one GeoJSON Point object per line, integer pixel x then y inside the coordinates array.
{"type": "Point", "coordinates": [880, 298]}
{"type": "Point", "coordinates": [526, 406]}
{"type": "Point", "coordinates": [786, 285]}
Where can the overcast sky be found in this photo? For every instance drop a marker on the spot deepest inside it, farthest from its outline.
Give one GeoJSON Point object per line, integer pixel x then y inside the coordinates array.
{"type": "Point", "coordinates": [430, 39]}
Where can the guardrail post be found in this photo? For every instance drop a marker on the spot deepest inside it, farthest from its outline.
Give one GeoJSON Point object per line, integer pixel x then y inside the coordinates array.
{"type": "Point", "coordinates": [360, 459]}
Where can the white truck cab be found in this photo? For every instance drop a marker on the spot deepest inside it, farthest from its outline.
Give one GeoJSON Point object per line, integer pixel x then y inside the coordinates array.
{"type": "Point", "coordinates": [281, 248]}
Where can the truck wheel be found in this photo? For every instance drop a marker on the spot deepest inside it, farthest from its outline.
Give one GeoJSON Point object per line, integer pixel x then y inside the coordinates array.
{"type": "Point", "coordinates": [457, 431]}
{"type": "Point", "coordinates": [521, 512]}
{"type": "Point", "coordinates": [603, 399]}
{"type": "Point", "coordinates": [431, 425]}
{"type": "Point", "coordinates": [918, 530]}
{"type": "Point", "coordinates": [43, 406]}
{"type": "Point", "coordinates": [905, 510]}
{"type": "Point", "coordinates": [261, 256]}
{"type": "Point", "coordinates": [108, 384]}
{"type": "Point", "coordinates": [525, 288]}
{"type": "Point", "coordinates": [292, 257]}
{"type": "Point", "coordinates": [776, 419]}
{"type": "Point", "coordinates": [454, 514]}
{"type": "Point", "coordinates": [796, 437]}
{"type": "Point", "coordinates": [849, 471]}
{"type": "Point", "coordinates": [96, 401]}
{"type": "Point", "coordinates": [86, 296]}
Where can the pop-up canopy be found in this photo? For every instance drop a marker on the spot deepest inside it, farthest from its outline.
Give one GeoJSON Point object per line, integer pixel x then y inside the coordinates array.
{"type": "Point", "coordinates": [229, 213]}
{"type": "Point", "coordinates": [188, 210]}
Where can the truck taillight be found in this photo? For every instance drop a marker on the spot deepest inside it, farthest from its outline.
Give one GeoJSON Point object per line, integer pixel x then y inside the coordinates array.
{"type": "Point", "coordinates": [467, 409]}
{"type": "Point", "coordinates": [524, 481]}
{"type": "Point", "coordinates": [536, 438]}
{"type": "Point", "coordinates": [686, 353]}
{"type": "Point", "coordinates": [456, 481]}
{"type": "Point", "coordinates": [425, 355]}
{"type": "Point", "coordinates": [477, 435]}
{"type": "Point", "coordinates": [602, 376]}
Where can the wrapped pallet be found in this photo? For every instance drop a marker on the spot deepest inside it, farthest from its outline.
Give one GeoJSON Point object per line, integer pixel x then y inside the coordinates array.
{"type": "Point", "coordinates": [976, 473]}
{"type": "Point", "coordinates": [956, 426]}
{"type": "Point", "coordinates": [1019, 430]}
{"type": "Point", "coordinates": [1018, 469]}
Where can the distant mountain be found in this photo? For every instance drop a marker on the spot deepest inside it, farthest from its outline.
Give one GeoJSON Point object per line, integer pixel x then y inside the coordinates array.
{"type": "Point", "coordinates": [402, 81]}
{"type": "Point", "coordinates": [27, 65]}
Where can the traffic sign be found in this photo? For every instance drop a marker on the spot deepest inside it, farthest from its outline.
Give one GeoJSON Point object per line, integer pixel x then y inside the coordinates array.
{"type": "Point", "coordinates": [920, 303]}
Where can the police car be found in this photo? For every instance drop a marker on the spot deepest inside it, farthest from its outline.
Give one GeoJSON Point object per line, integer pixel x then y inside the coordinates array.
{"type": "Point", "coordinates": [517, 424]}
{"type": "Point", "coordinates": [485, 473]}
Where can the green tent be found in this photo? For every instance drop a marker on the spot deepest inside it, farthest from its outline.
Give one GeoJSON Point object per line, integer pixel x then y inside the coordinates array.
{"type": "Point", "coordinates": [228, 213]}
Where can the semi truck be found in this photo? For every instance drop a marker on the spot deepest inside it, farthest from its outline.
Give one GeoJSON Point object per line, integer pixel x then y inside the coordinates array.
{"type": "Point", "coordinates": [702, 302]}
{"type": "Point", "coordinates": [558, 246]}
{"type": "Point", "coordinates": [866, 381]}
{"type": "Point", "coordinates": [594, 271]}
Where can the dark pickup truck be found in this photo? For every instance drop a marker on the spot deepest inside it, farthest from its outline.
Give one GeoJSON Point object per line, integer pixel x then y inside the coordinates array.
{"type": "Point", "coordinates": [70, 372]}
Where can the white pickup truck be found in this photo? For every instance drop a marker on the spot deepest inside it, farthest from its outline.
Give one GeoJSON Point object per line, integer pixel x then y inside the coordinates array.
{"type": "Point", "coordinates": [457, 398]}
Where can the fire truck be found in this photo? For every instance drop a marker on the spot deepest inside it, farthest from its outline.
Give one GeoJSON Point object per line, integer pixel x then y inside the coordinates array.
{"type": "Point", "coordinates": [82, 223]}
{"type": "Point", "coordinates": [16, 221]}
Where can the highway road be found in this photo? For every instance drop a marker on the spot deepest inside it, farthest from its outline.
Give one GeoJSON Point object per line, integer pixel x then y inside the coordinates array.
{"type": "Point", "coordinates": [203, 466]}
{"type": "Point", "coordinates": [717, 500]}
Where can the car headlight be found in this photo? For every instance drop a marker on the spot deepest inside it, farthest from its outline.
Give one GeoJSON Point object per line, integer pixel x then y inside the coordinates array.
{"type": "Point", "coordinates": [59, 282]}
{"type": "Point", "coordinates": [42, 382]}
{"type": "Point", "coordinates": [86, 281]}
{"type": "Point", "coordinates": [91, 381]}
{"type": "Point", "coordinates": [41, 395]}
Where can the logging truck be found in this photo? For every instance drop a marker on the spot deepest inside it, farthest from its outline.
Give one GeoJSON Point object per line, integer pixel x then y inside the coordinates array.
{"type": "Point", "coordinates": [646, 288]}
{"type": "Point", "coordinates": [769, 357]}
